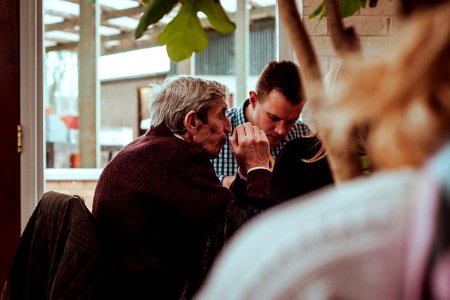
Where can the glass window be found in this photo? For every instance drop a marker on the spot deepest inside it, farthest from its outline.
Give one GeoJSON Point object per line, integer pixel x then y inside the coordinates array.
{"type": "Point", "coordinates": [124, 69]}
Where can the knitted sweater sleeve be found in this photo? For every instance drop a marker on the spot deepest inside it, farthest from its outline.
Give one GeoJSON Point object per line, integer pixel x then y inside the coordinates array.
{"type": "Point", "coordinates": [192, 187]}
{"type": "Point", "coordinates": [251, 199]}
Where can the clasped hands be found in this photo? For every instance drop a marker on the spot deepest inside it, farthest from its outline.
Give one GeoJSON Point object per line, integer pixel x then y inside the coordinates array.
{"type": "Point", "coordinates": [250, 147]}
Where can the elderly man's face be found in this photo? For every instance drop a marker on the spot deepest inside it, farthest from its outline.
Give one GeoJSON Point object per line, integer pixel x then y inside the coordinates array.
{"type": "Point", "coordinates": [211, 136]}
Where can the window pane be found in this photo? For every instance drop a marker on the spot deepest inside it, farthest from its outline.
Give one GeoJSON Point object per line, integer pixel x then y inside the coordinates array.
{"type": "Point", "coordinates": [125, 69]}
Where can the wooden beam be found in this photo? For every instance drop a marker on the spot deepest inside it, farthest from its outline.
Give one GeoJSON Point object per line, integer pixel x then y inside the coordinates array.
{"type": "Point", "coordinates": [255, 14]}
{"type": "Point", "coordinates": [148, 40]}
{"type": "Point", "coordinates": [61, 14]}
{"type": "Point", "coordinates": [258, 16]}
{"type": "Point", "coordinates": [105, 17]}
{"type": "Point", "coordinates": [133, 11]}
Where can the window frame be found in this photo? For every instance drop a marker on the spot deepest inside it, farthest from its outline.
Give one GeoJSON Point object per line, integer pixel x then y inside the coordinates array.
{"type": "Point", "coordinates": [31, 111]}
{"type": "Point", "coordinates": [33, 171]}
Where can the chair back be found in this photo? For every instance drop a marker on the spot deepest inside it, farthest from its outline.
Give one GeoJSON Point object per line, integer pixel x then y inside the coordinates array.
{"type": "Point", "coordinates": [63, 254]}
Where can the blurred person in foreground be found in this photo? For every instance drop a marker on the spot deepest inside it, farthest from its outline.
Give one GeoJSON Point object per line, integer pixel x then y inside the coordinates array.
{"type": "Point", "coordinates": [274, 107]}
{"type": "Point", "coordinates": [160, 198]}
{"type": "Point", "coordinates": [381, 237]}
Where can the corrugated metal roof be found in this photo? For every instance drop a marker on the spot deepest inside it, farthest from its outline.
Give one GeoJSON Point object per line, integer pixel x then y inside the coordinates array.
{"type": "Point", "coordinates": [261, 37]}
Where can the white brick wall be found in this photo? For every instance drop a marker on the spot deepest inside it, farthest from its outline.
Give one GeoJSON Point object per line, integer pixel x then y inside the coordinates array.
{"type": "Point", "coordinates": [374, 26]}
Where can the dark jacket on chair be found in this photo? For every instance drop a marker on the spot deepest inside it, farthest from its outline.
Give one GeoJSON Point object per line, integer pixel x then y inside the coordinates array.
{"type": "Point", "coordinates": [62, 254]}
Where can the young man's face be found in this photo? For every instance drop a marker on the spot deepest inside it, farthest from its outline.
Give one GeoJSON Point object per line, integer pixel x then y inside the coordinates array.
{"type": "Point", "coordinates": [275, 115]}
{"type": "Point", "coordinates": [211, 136]}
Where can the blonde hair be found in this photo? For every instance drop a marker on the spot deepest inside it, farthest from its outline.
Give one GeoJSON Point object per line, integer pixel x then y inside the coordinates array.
{"type": "Point", "coordinates": [403, 100]}
{"type": "Point", "coordinates": [333, 79]}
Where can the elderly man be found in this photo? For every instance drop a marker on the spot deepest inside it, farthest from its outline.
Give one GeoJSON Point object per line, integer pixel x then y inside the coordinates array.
{"type": "Point", "coordinates": [160, 197]}
{"type": "Point", "coordinates": [275, 107]}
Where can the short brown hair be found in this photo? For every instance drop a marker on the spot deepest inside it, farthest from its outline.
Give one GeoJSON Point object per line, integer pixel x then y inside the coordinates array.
{"type": "Point", "coordinates": [282, 76]}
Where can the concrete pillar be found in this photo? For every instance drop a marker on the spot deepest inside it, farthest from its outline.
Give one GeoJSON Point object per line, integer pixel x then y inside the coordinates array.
{"type": "Point", "coordinates": [241, 50]}
{"type": "Point", "coordinates": [89, 84]}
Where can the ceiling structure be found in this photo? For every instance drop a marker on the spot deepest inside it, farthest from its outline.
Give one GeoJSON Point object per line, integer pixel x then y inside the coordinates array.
{"type": "Point", "coordinates": [118, 20]}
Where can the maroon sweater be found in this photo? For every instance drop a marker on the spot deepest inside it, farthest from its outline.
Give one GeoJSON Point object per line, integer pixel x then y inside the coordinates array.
{"type": "Point", "coordinates": [162, 201]}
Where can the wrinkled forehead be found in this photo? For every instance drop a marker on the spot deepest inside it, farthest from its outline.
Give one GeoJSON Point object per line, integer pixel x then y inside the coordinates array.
{"type": "Point", "coordinates": [218, 105]}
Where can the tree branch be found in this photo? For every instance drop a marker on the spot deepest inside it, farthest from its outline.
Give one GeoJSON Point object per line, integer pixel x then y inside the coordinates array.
{"type": "Point", "coordinates": [343, 165]}
{"type": "Point", "coordinates": [299, 39]}
{"type": "Point", "coordinates": [309, 67]}
{"type": "Point", "coordinates": [344, 40]}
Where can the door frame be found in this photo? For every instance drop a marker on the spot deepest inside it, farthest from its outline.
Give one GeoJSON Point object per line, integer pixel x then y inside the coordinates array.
{"type": "Point", "coordinates": [31, 106]}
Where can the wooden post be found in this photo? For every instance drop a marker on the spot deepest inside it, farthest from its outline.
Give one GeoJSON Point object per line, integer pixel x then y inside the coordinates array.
{"type": "Point", "coordinates": [184, 67]}
{"type": "Point", "coordinates": [241, 50]}
{"type": "Point", "coordinates": [89, 84]}
{"type": "Point", "coordinates": [284, 49]}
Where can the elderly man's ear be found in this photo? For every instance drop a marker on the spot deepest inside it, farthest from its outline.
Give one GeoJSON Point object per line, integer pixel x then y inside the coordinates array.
{"type": "Point", "coordinates": [192, 122]}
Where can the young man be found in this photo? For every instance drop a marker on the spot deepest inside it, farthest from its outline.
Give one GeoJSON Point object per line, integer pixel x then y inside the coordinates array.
{"type": "Point", "coordinates": [160, 198]}
{"type": "Point", "coordinates": [275, 108]}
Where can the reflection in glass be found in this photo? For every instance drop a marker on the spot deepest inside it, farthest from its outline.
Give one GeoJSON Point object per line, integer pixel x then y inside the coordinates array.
{"type": "Point", "coordinates": [126, 67]}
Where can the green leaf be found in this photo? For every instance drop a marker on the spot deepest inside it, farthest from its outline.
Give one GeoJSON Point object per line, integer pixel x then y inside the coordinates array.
{"type": "Point", "coordinates": [348, 8]}
{"type": "Point", "coordinates": [184, 34]}
{"type": "Point", "coordinates": [216, 15]}
{"type": "Point", "coordinates": [154, 11]}
{"type": "Point", "coordinates": [320, 10]}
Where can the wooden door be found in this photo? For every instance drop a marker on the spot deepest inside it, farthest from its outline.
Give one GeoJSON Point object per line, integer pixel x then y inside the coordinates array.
{"type": "Point", "coordinates": [9, 119]}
